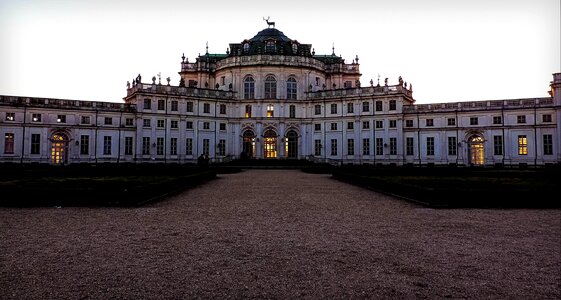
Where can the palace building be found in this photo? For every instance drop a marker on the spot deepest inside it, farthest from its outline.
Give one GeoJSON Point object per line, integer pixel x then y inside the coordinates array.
{"type": "Point", "coordinates": [271, 97]}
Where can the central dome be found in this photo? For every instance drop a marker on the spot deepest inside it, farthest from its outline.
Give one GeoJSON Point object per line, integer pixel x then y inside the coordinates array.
{"type": "Point", "coordinates": [270, 33]}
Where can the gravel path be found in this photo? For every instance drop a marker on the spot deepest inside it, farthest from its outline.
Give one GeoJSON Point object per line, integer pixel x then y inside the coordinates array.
{"type": "Point", "coordinates": [279, 234]}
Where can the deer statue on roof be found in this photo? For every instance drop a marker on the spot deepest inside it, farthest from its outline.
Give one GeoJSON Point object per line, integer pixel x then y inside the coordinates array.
{"type": "Point", "coordinates": [269, 23]}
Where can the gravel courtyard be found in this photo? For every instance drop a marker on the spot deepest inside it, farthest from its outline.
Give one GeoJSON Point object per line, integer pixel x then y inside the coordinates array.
{"type": "Point", "coordinates": [279, 234]}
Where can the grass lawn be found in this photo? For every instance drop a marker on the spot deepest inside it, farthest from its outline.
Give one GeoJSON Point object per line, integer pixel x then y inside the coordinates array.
{"type": "Point", "coordinates": [461, 187]}
{"type": "Point", "coordinates": [85, 185]}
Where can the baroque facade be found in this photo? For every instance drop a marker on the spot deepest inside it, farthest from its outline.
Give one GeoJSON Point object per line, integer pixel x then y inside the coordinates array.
{"type": "Point", "coordinates": [272, 97]}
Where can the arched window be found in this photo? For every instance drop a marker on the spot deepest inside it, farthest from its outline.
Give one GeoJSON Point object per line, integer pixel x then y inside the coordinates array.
{"type": "Point", "coordinates": [246, 48]}
{"type": "Point", "coordinates": [249, 88]}
{"type": "Point", "coordinates": [294, 48]}
{"type": "Point", "coordinates": [270, 87]}
{"type": "Point", "coordinates": [291, 88]}
{"type": "Point", "coordinates": [476, 150]}
{"type": "Point", "coordinates": [270, 144]}
{"type": "Point", "coordinates": [291, 144]}
{"type": "Point", "coordinates": [248, 144]}
{"type": "Point", "coordinates": [59, 148]}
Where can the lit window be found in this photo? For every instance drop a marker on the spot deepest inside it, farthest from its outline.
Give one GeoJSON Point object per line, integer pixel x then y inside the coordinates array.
{"type": "Point", "coordinates": [522, 145]}
{"type": "Point", "coordinates": [10, 116]}
{"type": "Point", "coordinates": [270, 111]}
{"type": "Point", "coordinates": [36, 117]}
{"type": "Point", "coordinates": [248, 111]}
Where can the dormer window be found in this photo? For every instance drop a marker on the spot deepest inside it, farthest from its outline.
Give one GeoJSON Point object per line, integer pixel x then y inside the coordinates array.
{"type": "Point", "coordinates": [294, 48]}
{"type": "Point", "coordinates": [270, 46]}
{"type": "Point", "coordinates": [246, 47]}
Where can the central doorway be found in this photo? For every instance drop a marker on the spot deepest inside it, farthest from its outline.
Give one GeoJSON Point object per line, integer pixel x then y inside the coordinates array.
{"type": "Point", "coordinates": [59, 148]}
{"type": "Point", "coordinates": [270, 143]}
{"type": "Point", "coordinates": [476, 150]}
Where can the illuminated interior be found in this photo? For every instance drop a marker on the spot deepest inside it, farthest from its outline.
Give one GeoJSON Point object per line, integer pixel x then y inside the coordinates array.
{"type": "Point", "coordinates": [291, 144]}
{"type": "Point", "coordinates": [477, 152]}
{"type": "Point", "coordinates": [58, 149]}
{"type": "Point", "coordinates": [270, 143]}
{"type": "Point", "coordinates": [249, 143]}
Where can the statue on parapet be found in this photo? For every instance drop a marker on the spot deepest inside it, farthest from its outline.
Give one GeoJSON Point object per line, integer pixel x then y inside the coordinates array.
{"type": "Point", "coordinates": [138, 78]}
{"type": "Point", "coordinates": [128, 85]}
{"type": "Point", "coordinates": [386, 81]}
{"type": "Point", "coordinates": [168, 79]}
{"type": "Point", "coordinates": [153, 79]}
{"type": "Point", "coordinates": [182, 82]}
{"type": "Point", "coordinates": [400, 81]}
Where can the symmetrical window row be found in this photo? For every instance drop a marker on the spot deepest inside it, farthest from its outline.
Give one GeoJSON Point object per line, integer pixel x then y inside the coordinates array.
{"type": "Point", "coordinates": [270, 88]}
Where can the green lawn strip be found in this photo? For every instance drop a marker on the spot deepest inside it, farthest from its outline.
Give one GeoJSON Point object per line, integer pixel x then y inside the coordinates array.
{"type": "Point", "coordinates": [477, 189]}
{"type": "Point", "coordinates": [96, 191]}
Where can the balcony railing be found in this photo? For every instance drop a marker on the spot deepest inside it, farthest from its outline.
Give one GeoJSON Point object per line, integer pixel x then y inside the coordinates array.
{"type": "Point", "coordinates": [64, 103]}
{"type": "Point", "coordinates": [479, 105]}
{"type": "Point", "coordinates": [180, 91]}
{"type": "Point", "coordinates": [361, 91]}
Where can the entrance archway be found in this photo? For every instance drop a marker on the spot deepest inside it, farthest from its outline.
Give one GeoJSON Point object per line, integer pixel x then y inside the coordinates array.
{"type": "Point", "coordinates": [270, 143]}
{"type": "Point", "coordinates": [248, 144]}
{"type": "Point", "coordinates": [291, 144]}
{"type": "Point", "coordinates": [59, 148]}
{"type": "Point", "coordinates": [476, 150]}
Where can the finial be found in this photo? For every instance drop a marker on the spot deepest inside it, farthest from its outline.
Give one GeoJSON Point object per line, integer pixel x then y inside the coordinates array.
{"type": "Point", "coordinates": [227, 51]}
{"type": "Point", "coordinates": [356, 59]}
{"type": "Point", "coordinates": [207, 47]}
{"type": "Point", "coordinates": [378, 79]}
{"type": "Point", "coordinates": [313, 51]}
{"type": "Point", "coordinates": [183, 57]}
{"type": "Point", "coordinates": [159, 77]}
{"type": "Point", "coordinates": [333, 48]}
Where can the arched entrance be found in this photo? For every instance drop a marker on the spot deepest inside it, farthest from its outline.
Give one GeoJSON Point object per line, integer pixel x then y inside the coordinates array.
{"type": "Point", "coordinates": [476, 150]}
{"type": "Point", "coordinates": [248, 144]}
{"type": "Point", "coordinates": [291, 144]}
{"type": "Point", "coordinates": [59, 148]}
{"type": "Point", "coordinates": [270, 143]}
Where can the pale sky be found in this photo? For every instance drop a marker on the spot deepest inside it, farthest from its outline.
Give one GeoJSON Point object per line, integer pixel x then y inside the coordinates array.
{"type": "Point", "coordinates": [449, 50]}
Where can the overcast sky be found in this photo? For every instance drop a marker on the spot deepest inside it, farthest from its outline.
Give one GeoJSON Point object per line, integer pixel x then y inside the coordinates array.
{"type": "Point", "coordinates": [450, 50]}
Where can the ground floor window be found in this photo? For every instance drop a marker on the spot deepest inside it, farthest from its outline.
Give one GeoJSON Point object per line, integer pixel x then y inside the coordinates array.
{"type": "Point", "coordinates": [270, 143]}
{"type": "Point", "coordinates": [522, 145]}
{"type": "Point", "coordinates": [547, 144]}
{"type": "Point", "coordinates": [145, 145]}
{"type": "Point", "coordinates": [128, 145]}
{"type": "Point", "coordinates": [379, 146]}
{"type": "Point", "coordinates": [9, 141]}
{"type": "Point", "coordinates": [393, 146]}
{"type": "Point", "coordinates": [189, 146]}
{"type": "Point", "coordinates": [35, 143]}
{"type": "Point", "coordinates": [248, 144]}
{"type": "Point", "coordinates": [409, 146]}
{"type": "Point", "coordinates": [59, 147]}
{"type": "Point", "coordinates": [430, 145]}
{"type": "Point", "coordinates": [498, 145]}
{"type": "Point", "coordinates": [107, 145]}
{"type": "Point", "coordinates": [292, 144]}
{"type": "Point", "coordinates": [173, 146]}
{"type": "Point", "coordinates": [84, 144]}
{"type": "Point", "coordinates": [206, 146]}
{"type": "Point", "coordinates": [350, 147]}
{"type": "Point", "coordinates": [222, 148]}
{"type": "Point", "coordinates": [160, 146]}
{"type": "Point", "coordinates": [452, 146]}
{"type": "Point", "coordinates": [333, 147]}
{"type": "Point", "coordinates": [365, 146]}
{"type": "Point", "coordinates": [317, 147]}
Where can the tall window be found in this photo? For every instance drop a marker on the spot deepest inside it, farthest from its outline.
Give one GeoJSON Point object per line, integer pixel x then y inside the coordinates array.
{"type": "Point", "coordinates": [366, 124]}
{"type": "Point", "coordinates": [409, 146]}
{"type": "Point", "coordinates": [249, 88]}
{"type": "Point", "coordinates": [393, 105]}
{"type": "Point", "coordinates": [333, 147]}
{"type": "Point", "coordinates": [189, 146]}
{"type": "Point", "coordinates": [350, 125]}
{"type": "Point", "coordinates": [35, 143]}
{"type": "Point", "coordinates": [317, 109]}
{"type": "Point", "coordinates": [146, 145]}
{"type": "Point", "coordinates": [452, 145]}
{"type": "Point", "coordinates": [365, 146]}
{"type": "Point", "coordinates": [548, 144]}
{"type": "Point", "coordinates": [147, 103]}
{"type": "Point", "coordinates": [174, 105]}
{"type": "Point", "coordinates": [379, 124]}
{"type": "Point", "coordinates": [222, 109]}
{"type": "Point", "coordinates": [206, 146]}
{"type": "Point", "coordinates": [317, 147]}
{"type": "Point", "coordinates": [206, 108]}
{"type": "Point", "coordinates": [393, 123]}
{"type": "Point", "coordinates": [291, 88]}
{"type": "Point", "coordinates": [350, 147]}
{"type": "Point", "coordinates": [173, 146]}
{"type": "Point", "coordinates": [222, 147]}
{"type": "Point", "coordinates": [189, 124]}
{"type": "Point", "coordinates": [292, 111]}
{"type": "Point", "coordinates": [161, 105]}
{"type": "Point", "coordinates": [498, 145]}
{"type": "Point", "coordinates": [107, 145]}
{"type": "Point", "coordinates": [333, 108]}
{"type": "Point", "coordinates": [128, 145]}
{"type": "Point", "coordinates": [270, 87]}
{"type": "Point", "coordinates": [333, 126]}
{"type": "Point", "coordinates": [270, 111]}
{"type": "Point", "coordinates": [160, 146]}
{"type": "Point", "coordinates": [84, 144]}
{"type": "Point", "coordinates": [189, 107]}
{"type": "Point", "coordinates": [379, 146]}
{"type": "Point", "coordinates": [378, 105]}
{"type": "Point", "coordinates": [174, 124]}
{"type": "Point", "coordinates": [350, 108]}
{"type": "Point", "coordinates": [248, 111]}
{"type": "Point", "coordinates": [365, 106]}
{"type": "Point", "coordinates": [430, 145]}
{"type": "Point", "coordinates": [161, 123]}
{"type": "Point", "coordinates": [393, 146]}
{"type": "Point", "coordinates": [522, 145]}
